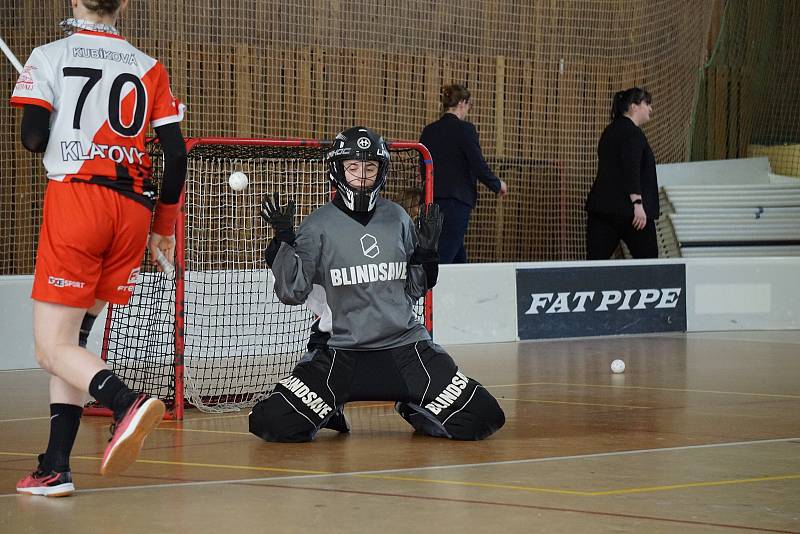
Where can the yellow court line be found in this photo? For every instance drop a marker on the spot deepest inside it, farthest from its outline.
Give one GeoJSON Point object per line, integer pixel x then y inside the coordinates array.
{"type": "Point", "coordinates": [646, 489]}
{"type": "Point", "coordinates": [232, 416]}
{"type": "Point", "coordinates": [19, 454]}
{"type": "Point", "coordinates": [576, 403]}
{"type": "Point", "coordinates": [209, 418]}
{"type": "Point", "coordinates": [193, 419]}
{"type": "Point", "coordinates": [678, 390]}
{"type": "Point", "coordinates": [649, 489]}
{"type": "Point", "coordinates": [477, 484]}
{"type": "Point", "coordinates": [192, 464]}
{"type": "Point", "coordinates": [204, 430]}
{"type": "Point", "coordinates": [696, 485]}
{"type": "Point", "coordinates": [216, 417]}
{"type": "Point", "coordinates": [237, 467]}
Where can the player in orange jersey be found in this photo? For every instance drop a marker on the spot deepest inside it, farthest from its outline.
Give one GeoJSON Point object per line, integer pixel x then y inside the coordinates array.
{"type": "Point", "coordinates": [88, 100]}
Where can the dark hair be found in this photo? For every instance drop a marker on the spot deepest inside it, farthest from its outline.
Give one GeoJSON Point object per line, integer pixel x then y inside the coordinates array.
{"type": "Point", "coordinates": [623, 99]}
{"type": "Point", "coordinates": [453, 94]}
{"type": "Point", "coordinates": [102, 7]}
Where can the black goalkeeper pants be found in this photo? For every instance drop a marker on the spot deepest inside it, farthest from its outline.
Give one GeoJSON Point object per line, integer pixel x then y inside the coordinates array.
{"type": "Point", "coordinates": [429, 390]}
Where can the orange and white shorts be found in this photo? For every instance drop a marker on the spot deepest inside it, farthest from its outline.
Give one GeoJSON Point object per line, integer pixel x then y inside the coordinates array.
{"type": "Point", "coordinates": [91, 245]}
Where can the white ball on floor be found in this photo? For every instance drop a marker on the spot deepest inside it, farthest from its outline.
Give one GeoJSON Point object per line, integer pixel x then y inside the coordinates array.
{"type": "Point", "coordinates": [617, 366]}
{"type": "Point", "coordinates": [238, 180]}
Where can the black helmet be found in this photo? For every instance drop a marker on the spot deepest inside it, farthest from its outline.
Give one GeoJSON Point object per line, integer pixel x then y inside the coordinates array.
{"type": "Point", "coordinates": [363, 144]}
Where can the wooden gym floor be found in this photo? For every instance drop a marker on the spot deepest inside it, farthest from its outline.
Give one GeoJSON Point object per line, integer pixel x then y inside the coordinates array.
{"type": "Point", "coordinates": [700, 434]}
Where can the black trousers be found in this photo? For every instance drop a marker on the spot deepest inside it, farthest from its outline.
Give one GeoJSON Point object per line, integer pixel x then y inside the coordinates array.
{"type": "Point", "coordinates": [454, 229]}
{"type": "Point", "coordinates": [604, 232]}
{"type": "Point", "coordinates": [432, 395]}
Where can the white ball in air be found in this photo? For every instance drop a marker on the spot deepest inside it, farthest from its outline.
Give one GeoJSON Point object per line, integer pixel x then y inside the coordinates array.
{"type": "Point", "coordinates": [238, 180]}
{"type": "Point", "coordinates": [617, 366]}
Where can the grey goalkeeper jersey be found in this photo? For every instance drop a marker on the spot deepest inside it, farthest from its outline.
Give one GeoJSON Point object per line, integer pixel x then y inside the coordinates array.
{"type": "Point", "coordinates": [369, 285]}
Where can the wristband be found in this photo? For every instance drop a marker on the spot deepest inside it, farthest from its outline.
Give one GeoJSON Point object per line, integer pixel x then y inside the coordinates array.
{"type": "Point", "coordinates": [165, 217]}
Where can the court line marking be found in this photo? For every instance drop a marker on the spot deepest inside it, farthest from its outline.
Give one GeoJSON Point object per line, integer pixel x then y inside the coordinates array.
{"type": "Point", "coordinates": [696, 485]}
{"type": "Point", "coordinates": [24, 419]}
{"type": "Point", "coordinates": [645, 489]}
{"type": "Point", "coordinates": [429, 498]}
{"type": "Point", "coordinates": [479, 485]}
{"type": "Point", "coordinates": [678, 390]}
{"type": "Point", "coordinates": [203, 430]}
{"type": "Point", "coordinates": [191, 464]}
{"type": "Point", "coordinates": [702, 336]}
{"type": "Point", "coordinates": [240, 467]}
{"type": "Point", "coordinates": [215, 417]}
{"type": "Point", "coordinates": [577, 403]}
{"type": "Point", "coordinates": [540, 401]}
{"type": "Point", "coordinates": [223, 416]}
{"type": "Point", "coordinates": [306, 475]}
{"type": "Point", "coordinates": [357, 407]}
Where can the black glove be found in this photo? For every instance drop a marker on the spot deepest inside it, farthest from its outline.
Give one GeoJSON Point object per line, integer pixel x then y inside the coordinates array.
{"type": "Point", "coordinates": [429, 226]}
{"type": "Point", "coordinates": [282, 221]}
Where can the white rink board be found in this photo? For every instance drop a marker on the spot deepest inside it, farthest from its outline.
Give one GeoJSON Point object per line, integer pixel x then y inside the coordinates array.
{"type": "Point", "coordinates": [473, 303]}
{"type": "Point", "coordinates": [476, 303]}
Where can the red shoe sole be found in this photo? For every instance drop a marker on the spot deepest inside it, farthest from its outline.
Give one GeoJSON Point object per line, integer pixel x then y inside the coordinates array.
{"type": "Point", "coordinates": [125, 451]}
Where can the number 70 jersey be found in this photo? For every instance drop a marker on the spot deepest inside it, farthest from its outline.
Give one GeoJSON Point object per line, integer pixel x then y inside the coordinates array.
{"type": "Point", "coordinates": [103, 94]}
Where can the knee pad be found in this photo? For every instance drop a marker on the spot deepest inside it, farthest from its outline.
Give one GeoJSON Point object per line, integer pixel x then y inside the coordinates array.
{"type": "Point", "coordinates": [276, 419]}
{"type": "Point", "coordinates": [478, 418]}
{"type": "Point", "coordinates": [442, 400]}
{"type": "Point", "coordinates": [301, 403]}
{"type": "Point", "coordinates": [463, 410]}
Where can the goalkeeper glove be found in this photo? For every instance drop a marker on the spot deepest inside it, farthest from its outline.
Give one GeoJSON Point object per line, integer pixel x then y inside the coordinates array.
{"type": "Point", "coordinates": [426, 253]}
{"type": "Point", "coordinates": [429, 226]}
{"type": "Point", "coordinates": [282, 221]}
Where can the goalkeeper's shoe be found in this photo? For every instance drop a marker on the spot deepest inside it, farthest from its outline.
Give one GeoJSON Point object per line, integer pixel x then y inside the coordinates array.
{"type": "Point", "coordinates": [337, 421]}
{"type": "Point", "coordinates": [422, 420]}
{"type": "Point", "coordinates": [47, 483]}
{"type": "Point", "coordinates": [129, 432]}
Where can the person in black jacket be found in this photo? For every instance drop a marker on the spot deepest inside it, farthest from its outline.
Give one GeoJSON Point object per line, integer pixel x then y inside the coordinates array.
{"type": "Point", "coordinates": [458, 164]}
{"type": "Point", "coordinates": [623, 201]}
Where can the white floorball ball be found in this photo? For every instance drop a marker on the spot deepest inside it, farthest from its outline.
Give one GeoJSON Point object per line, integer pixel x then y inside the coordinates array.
{"type": "Point", "coordinates": [238, 181]}
{"type": "Point", "coordinates": [617, 366]}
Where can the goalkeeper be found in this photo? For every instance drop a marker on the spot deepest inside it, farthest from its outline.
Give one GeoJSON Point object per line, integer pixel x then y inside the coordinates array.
{"type": "Point", "coordinates": [360, 263]}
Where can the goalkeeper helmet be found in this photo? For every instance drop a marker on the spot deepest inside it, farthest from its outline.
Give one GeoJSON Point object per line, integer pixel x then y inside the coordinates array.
{"type": "Point", "coordinates": [356, 146]}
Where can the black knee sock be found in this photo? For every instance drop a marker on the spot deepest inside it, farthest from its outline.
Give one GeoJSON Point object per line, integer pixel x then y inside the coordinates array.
{"type": "Point", "coordinates": [86, 328]}
{"type": "Point", "coordinates": [111, 392]}
{"type": "Point", "coordinates": [64, 422]}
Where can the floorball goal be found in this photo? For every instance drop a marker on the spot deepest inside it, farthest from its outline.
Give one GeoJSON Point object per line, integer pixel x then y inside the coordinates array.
{"type": "Point", "coordinates": [213, 334]}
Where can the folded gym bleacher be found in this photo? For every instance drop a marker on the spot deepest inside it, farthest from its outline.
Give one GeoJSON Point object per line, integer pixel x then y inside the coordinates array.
{"type": "Point", "coordinates": [761, 218]}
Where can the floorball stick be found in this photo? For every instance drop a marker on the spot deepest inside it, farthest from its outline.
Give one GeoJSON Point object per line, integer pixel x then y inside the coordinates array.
{"type": "Point", "coordinates": [10, 55]}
